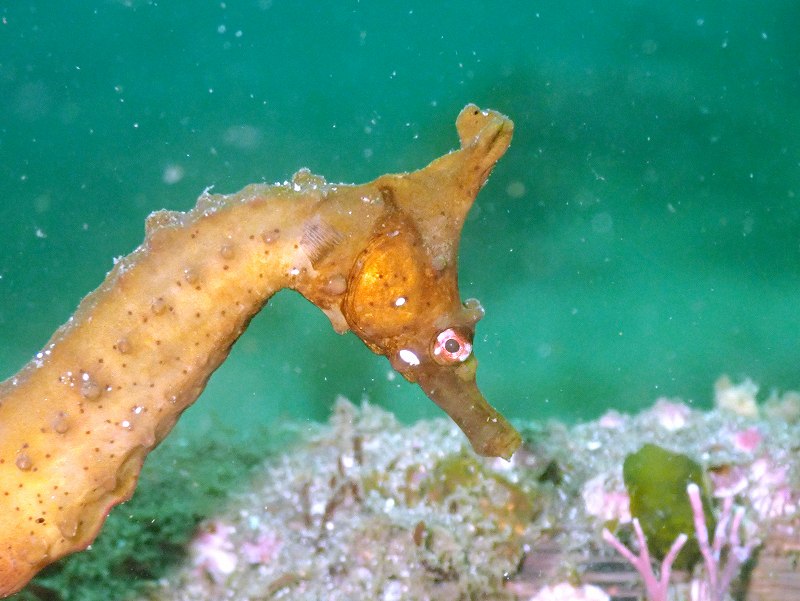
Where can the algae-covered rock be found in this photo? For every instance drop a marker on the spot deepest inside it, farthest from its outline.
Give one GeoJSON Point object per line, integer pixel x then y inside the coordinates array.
{"type": "Point", "coordinates": [511, 507]}
{"type": "Point", "coordinates": [365, 508]}
{"type": "Point", "coordinates": [362, 509]}
{"type": "Point", "coordinates": [656, 480]}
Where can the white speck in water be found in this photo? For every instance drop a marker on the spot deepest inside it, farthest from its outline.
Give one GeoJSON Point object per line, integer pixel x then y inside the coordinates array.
{"type": "Point", "coordinates": [602, 223]}
{"type": "Point", "coordinates": [172, 174]}
{"type": "Point", "coordinates": [401, 300]}
{"type": "Point", "coordinates": [243, 137]}
{"type": "Point", "coordinates": [515, 189]}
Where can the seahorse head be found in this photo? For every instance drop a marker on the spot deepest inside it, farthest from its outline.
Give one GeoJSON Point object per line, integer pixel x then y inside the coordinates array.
{"type": "Point", "coordinates": [402, 294]}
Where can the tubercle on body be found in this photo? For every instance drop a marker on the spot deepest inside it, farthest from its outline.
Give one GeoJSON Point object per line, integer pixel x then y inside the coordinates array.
{"type": "Point", "coordinates": [77, 422]}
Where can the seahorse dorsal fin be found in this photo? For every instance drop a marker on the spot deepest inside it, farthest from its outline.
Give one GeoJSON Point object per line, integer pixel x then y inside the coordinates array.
{"type": "Point", "coordinates": [319, 239]}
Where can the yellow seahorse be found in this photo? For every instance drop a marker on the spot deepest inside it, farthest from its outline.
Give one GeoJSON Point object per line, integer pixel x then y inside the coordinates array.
{"type": "Point", "coordinates": [381, 259]}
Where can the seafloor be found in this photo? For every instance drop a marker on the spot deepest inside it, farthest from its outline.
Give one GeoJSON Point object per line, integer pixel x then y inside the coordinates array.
{"type": "Point", "coordinates": [367, 508]}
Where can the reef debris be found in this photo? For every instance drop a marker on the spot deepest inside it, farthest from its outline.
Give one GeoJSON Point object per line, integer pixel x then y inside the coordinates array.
{"type": "Point", "coordinates": [366, 508]}
{"type": "Point", "coordinates": [381, 510]}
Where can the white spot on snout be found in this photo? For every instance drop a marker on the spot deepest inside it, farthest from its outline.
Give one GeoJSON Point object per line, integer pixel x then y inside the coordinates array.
{"type": "Point", "coordinates": [409, 357]}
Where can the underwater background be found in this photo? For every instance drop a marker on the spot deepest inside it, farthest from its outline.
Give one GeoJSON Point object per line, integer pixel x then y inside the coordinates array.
{"type": "Point", "coordinates": [640, 238]}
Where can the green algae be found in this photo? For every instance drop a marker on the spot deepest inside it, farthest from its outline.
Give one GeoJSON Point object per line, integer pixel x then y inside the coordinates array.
{"type": "Point", "coordinates": [656, 480]}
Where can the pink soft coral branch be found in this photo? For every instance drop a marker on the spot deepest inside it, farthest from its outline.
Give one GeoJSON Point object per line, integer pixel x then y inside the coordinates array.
{"type": "Point", "coordinates": [656, 587]}
{"type": "Point", "coordinates": [718, 574]}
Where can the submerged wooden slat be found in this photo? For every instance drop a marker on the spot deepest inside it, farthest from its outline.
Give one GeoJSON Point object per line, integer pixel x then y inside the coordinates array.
{"type": "Point", "coordinates": [774, 577]}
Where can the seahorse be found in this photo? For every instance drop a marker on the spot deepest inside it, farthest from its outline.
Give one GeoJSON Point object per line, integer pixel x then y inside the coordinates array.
{"type": "Point", "coordinates": [380, 259]}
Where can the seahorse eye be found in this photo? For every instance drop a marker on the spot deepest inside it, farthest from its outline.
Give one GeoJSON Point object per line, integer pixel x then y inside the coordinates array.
{"type": "Point", "coordinates": [451, 347]}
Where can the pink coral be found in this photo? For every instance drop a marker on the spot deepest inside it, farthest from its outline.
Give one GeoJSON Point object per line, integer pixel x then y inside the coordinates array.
{"type": "Point", "coordinates": [611, 420]}
{"type": "Point", "coordinates": [765, 485]}
{"type": "Point", "coordinates": [263, 550]}
{"type": "Point", "coordinates": [212, 551]}
{"type": "Point", "coordinates": [724, 556]}
{"type": "Point", "coordinates": [657, 587]}
{"type": "Point", "coordinates": [747, 440]}
{"type": "Point", "coordinates": [606, 504]}
{"type": "Point", "coordinates": [671, 415]}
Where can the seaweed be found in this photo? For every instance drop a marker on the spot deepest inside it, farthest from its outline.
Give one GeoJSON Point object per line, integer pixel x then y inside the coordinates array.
{"type": "Point", "coordinates": [656, 479]}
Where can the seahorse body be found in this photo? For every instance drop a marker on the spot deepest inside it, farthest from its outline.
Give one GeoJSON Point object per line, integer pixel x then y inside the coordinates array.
{"type": "Point", "coordinates": [77, 422]}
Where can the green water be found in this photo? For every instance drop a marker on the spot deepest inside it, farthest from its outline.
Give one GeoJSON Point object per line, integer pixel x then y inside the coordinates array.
{"type": "Point", "coordinates": [641, 237]}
